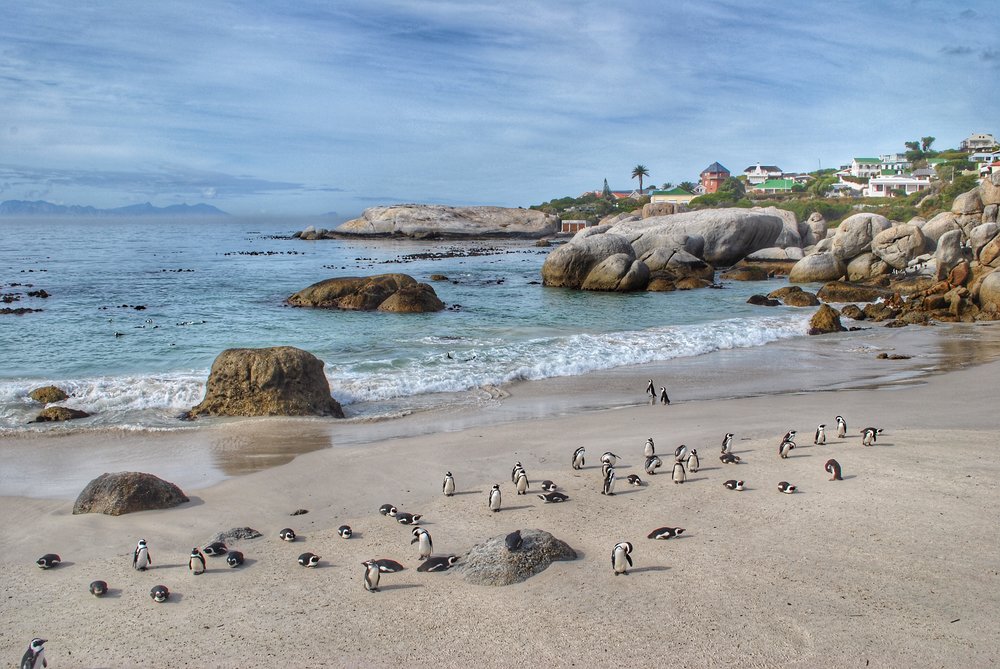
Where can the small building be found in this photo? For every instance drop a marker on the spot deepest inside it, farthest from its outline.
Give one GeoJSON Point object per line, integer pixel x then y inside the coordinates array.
{"type": "Point", "coordinates": [889, 186]}
{"type": "Point", "coordinates": [978, 142]}
{"type": "Point", "coordinates": [924, 174]}
{"type": "Point", "coordinates": [572, 227]}
{"type": "Point", "coordinates": [713, 176]}
{"type": "Point", "coordinates": [673, 196]}
{"type": "Point", "coordinates": [758, 174]}
{"type": "Point", "coordinates": [894, 163]}
{"type": "Point", "coordinates": [775, 186]}
{"type": "Point", "coordinates": [865, 168]}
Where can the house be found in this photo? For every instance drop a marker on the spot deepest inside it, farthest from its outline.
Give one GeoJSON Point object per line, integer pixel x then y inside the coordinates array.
{"type": "Point", "coordinates": [775, 186]}
{"type": "Point", "coordinates": [672, 196]}
{"type": "Point", "coordinates": [924, 174]}
{"type": "Point", "coordinates": [986, 169]}
{"type": "Point", "coordinates": [758, 174]}
{"type": "Point", "coordinates": [845, 189]}
{"type": "Point", "coordinates": [713, 176]}
{"type": "Point", "coordinates": [981, 157]}
{"type": "Point", "coordinates": [894, 163]}
{"type": "Point", "coordinates": [615, 194]}
{"type": "Point", "coordinates": [865, 168]}
{"type": "Point", "coordinates": [889, 186]}
{"type": "Point", "coordinates": [978, 142]}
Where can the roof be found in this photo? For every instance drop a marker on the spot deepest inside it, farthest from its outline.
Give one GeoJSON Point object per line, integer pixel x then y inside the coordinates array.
{"type": "Point", "coordinates": [715, 168]}
{"type": "Point", "coordinates": [766, 168]}
{"type": "Point", "coordinates": [673, 191]}
{"type": "Point", "coordinates": [924, 172]}
{"type": "Point", "coordinates": [776, 184]}
{"type": "Point", "coordinates": [875, 161]}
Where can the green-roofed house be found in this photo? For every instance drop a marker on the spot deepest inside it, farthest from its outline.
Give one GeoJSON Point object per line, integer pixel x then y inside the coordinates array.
{"type": "Point", "coordinates": [865, 168]}
{"type": "Point", "coordinates": [673, 196]}
{"type": "Point", "coordinates": [774, 186]}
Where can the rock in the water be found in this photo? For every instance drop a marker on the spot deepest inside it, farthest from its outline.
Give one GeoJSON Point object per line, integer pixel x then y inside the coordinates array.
{"type": "Point", "coordinates": [855, 234]}
{"type": "Point", "coordinates": [618, 272]}
{"type": "Point", "coordinates": [382, 292]}
{"type": "Point", "coordinates": [491, 563]}
{"type": "Point", "coordinates": [898, 245]}
{"type": "Point", "coordinates": [58, 414]}
{"type": "Point", "coordinates": [841, 291]}
{"type": "Point", "coordinates": [279, 381]}
{"type": "Point", "coordinates": [235, 534]}
{"type": "Point", "coordinates": [794, 296]}
{"type": "Point", "coordinates": [570, 264]}
{"type": "Point", "coordinates": [48, 394]}
{"type": "Point", "coordinates": [817, 267]}
{"type": "Point", "coordinates": [853, 312]}
{"type": "Point", "coordinates": [776, 253]}
{"type": "Point", "coordinates": [741, 272]}
{"type": "Point", "coordinates": [826, 320]}
{"type": "Point", "coordinates": [431, 221]}
{"type": "Point", "coordinates": [762, 301]}
{"type": "Point", "coordinates": [127, 492]}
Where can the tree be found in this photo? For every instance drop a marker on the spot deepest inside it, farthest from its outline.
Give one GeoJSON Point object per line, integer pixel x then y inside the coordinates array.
{"type": "Point", "coordinates": [640, 171]}
{"type": "Point", "coordinates": [687, 185]}
{"type": "Point", "coordinates": [606, 193]}
{"type": "Point", "coordinates": [733, 187]}
{"type": "Point", "coordinates": [912, 146]}
{"type": "Point", "coordinates": [925, 143]}
{"type": "Point", "coordinates": [667, 186]}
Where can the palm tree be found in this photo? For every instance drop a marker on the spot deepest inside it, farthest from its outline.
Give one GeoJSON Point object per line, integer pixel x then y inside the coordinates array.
{"type": "Point", "coordinates": [640, 171]}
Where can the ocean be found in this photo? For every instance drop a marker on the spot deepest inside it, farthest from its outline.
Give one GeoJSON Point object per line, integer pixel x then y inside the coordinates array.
{"type": "Point", "coordinates": [138, 310]}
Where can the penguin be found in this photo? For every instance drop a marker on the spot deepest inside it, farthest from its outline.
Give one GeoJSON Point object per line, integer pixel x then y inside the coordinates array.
{"type": "Point", "coordinates": [820, 437]}
{"type": "Point", "coordinates": [621, 558]}
{"type": "Point", "coordinates": [407, 518]}
{"type": "Point", "coordinates": [98, 588]}
{"type": "Point", "coordinates": [216, 549]}
{"type": "Point", "coordinates": [552, 497]}
{"type": "Point", "coordinates": [733, 484]}
{"type": "Point", "coordinates": [372, 575]}
{"type": "Point", "coordinates": [633, 479]}
{"type": "Point", "coordinates": [679, 475]}
{"type": "Point", "coordinates": [422, 538]}
{"type": "Point", "coordinates": [785, 448]}
{"type": "Point", "coordinates": [832, 467]}
{"type": "Point", "coordinates": [727, 443]}
{"type": "Point", "coordinates": [196, 562]}
{"type": "Point", "coordinates": [308, 560]}
{"type": "Point", "coordinates": [665, 533]}
{"type": "Point", "coordinates": [729, 459]}
{"type": "Point", "coordinates": [663, 395]}
{"type": "Point", "coordinates": [604, 469]}
{"type": "Point", "coordinates": [345, 531]}
{"type": "Point", "coordinates": [440, 563]}
{"type": "Point", "coordinates": [34, 657]}
{"type": "Point", "coordinates": [649, 450]}
{"type": "Point", "coordinates": [578, 460]}
{"type": "Point", "coordinates": [841, 427]}
{"type": "Point", "coordinates": [522, 483]}
{"type": "Point", "coordinates": [494, 498]}
{"type": "Point", "coordinates": [680, 453]}
{"type": "Point", "coordinates": [159, 593]}
{"type": "Point", "coordinates": [448, 487]}
{"type": "Point", "coordinates": [786, 487]}
{"type": "Point", "coordinates": [387, 566]}
{"type": "Point", "coordinates": [789, 436]}
{"type": "Point", "coordinates": [234, 559]}
{"type": "Point", "coordinates": [513, 541]}
{"type": "Point", "coordinates": [652, 464]}
{"type": "Point", "coordinates": [513, 472]}
{"type": "Point", "coordinates": [48, 561]}
{"type": "Point", "coordinates": [609, 481]}
{"type": "Point", "coordinates": [387, 509]}
{"type": "Point", "coordinates": [140, 558]}
{"type": "Point", "coordinates": [869, 435]}
{"type": "Point", "coordinates": [609, 458]}
{"type": "Point", "coordinates": [287, 534]}
{"type": "Point", "coordinates": [548, 486]}
{"type": "Point", "coordinates": [692, 460]}
{"type": "Point", "coordinates": [651, 389]}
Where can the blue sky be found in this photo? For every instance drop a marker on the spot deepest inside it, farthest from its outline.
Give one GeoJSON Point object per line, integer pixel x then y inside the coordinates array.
{"type": "Point", "coordinates": [318, 106]}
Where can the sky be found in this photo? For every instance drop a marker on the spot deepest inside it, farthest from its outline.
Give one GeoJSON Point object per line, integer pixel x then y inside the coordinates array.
{"type": "Point", "coordinates": [314, 106]}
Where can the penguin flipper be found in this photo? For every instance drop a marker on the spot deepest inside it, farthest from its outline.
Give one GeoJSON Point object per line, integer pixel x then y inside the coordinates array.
{"type": "Point", "coordinates": [628, 558]}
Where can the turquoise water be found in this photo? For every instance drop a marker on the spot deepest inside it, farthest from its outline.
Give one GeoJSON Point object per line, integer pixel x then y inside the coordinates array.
{"type": "Point", "coordinates": [208, 285]}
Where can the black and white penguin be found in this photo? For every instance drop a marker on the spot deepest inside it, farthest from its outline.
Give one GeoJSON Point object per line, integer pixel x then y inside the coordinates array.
{"type": "Point", "coordinates": [404, 518]}
{"type": "Point", "coordinates": [869, 435]}
{"type": "Point", "coordinates": [422, 538]}
{"type": "Point", "coordinates": [786, 487]}
{"type": "Point", "coordinates": [196, 562]}
{"type": "Point", "coordinates": [521, 484]}
{"type": "Point", "coordinates": [665, 533]}
{"type": "Point", "coordinates": [651, 389]}
{"type": "Point", "coordinates": [439, 563]}
{"type": "Point", "coordinates": [495, 498]}
{"type": "Point", "coordinates": [832, 468]}
{"type": "Point", "coordinates": [98, 588]}
{"type": "Point", "coordinates": [387, 566]}
{"type": "Point", "coordinates": [287, 534]}
{"type": "Point", "coordinates": [785, 448]}
{"type": "Point", "coordinates": [159, 593]}
{"type": "Point", "coordinates": [216, 549]}
{"type": "Point", "coordinates": [820, 437]}
{"type": "Point", "coordinates": [345, 531]}
{"type": "Point", "coordinates": [513, 472]}
{"type": "Point", "coordinates": [693, 463]}
{"type": "Point", "coordinates": [552, 497]}
{"type": "Point", "coordinates": [308, 560]}
{"type": "Point", "coordinates": [653, 462]}
{"type": "Point", "coordinates": [448, 487]}
{"type": "Point", "coordinates": [608, 487]}
{"type": "Point", "coordinates": [387, 509]}
{"type": "Point", "coordinates": [372, 575]}
{"type": "Point", "coordinates": [140, 558]}
{"type": "Point", "coordinates": [48, 561]}
{"type": "Point", "coordinates": [633, 479]}
{"type": "Point", "coordinates": [609, 458]}
{"type": "Point", "coordinates": [548, 486]}
{"type": "Point", "coordinates": [727, 443]}
{"type": "Point", "coordinates": [513, 541]}
{"type": "Point", "coordinates": [680, 453]}
{"type": "Point", "coordinates": [649, 449]}
{"type": "Point", "coordinates": [34, 657]}
{"type": "Point", "coordinates": [730, 459]}
{"type": "Point", "coordinates": [621, 557]}
{"type": "Point", "coordinates": [789, 436]}
{"type": "Point", "coordinates": [578, 457]}
{"type": "Point", "coordinates": [234, 558]}
{"type": "Point", "coordinates": [733, 484]}
{"type": "Point", "coordinates": [679, 475]}
{"type": "Point", "coordinates": [604, 469]}
{"type": "Point", "coordinates": [663, 395]}
{"type": "Point", "coordinates": [841, 427]}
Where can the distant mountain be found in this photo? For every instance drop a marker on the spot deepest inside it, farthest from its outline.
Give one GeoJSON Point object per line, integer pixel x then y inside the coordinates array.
{"type": "Point", "coordinates": [42, 208]}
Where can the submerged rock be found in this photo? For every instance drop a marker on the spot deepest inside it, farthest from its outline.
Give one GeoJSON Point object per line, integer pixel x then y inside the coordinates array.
{"type": "Point", "coordinates": [398, 293]}
{"type": "Point", "coordinates": [48, 394]}
{"type": "Point", "coordinates": [126, 492]}
{"type": "Point", "coordinates": [825, 320]}
{"type": "Point", "coordinates": [492, 563]}
{"type": "Point", "coordinates": [59, 414]}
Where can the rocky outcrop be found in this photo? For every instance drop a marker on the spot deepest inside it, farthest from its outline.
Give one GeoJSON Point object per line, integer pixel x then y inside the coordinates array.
{"type": "Point", "coordinates": [855, 234]}
{"type": "Point", "coordinates": [493, 563]}
{"type": "Point", "coordinates": [817, 267]}
{"type": "Point", "coordinates": [898, 245]}
{"type": "Point", "coordinates": [989, 292]}
{"type": "Point", "coordinates": [59, 414]}
{"type": "Point", "coordinates": [570, 264]}
{"type": "Point", "coordinates": [127, 492]}
{"type": "Point", "coordinates": [949, 252]}
{"type": "Point", "coordinates": [618, 272]}
{"type": "Point", "coordinates": [279, 381]}
{"type": "Point", "coordinates": [399, 293]}
{"type": "Point", "coordinates": [825, 320]}
{"type": "Point", "coordinates": [794, 296]}
{"type": "Point", "coordinates": [48, 394]}
{"type": "Point", "coordinates": [790, 235]}
{"type": "Point", "coordinates": [937, 226]}
{"type": "Point", "coordinates": [817, 228]}
{"type": "Point", "coordinates": [989, 191]}
{"type": "Point", "coordinates": [431, 221]}
{"type": "Point", "coordinates": [841, 291]}
{"type": "Point", "coordinates": [776, 253]}
{"type": "Point", "coordinates": [867, 267]}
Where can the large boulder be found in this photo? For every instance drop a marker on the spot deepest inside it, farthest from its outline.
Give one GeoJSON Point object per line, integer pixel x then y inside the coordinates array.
{"type": "Point", "coordinates": [776, 253]}
{"type": "Point", "coordinates": [59, 414]}
{"type": "Point", "coordinates": [643, 244]}
{"type": "Point", "coordinates": [126, 492]}
{"type": "Point", "coordinates": [794, 296]}
{"type": "Point", "coordinates": [898, 245]}
{"type": "Point", "coordinates": [676, 263]}
{"type": "Point", "coordinates": [855, 234]}
{"type": "Point", "coordinates": [949, 252]}
{"type": "Point", "coordinates": [983, 235]}
{"type": "Point", "coordinates": [660, 209]}
{"type": "Point", "coordinates": [968, 203]}
{"type": "Point", "coordinates": [619, 272]}
{"type": "Point", "coordinates": [48, 394]}
{"type": "Point", "coordinates": [279, 381]}
{"type": "Point", "coordinates": [866, 267]}
{"type": "Point", "coordinates": [790, 235]}
{"type": "Point", "coordinates": [817, 267]}
{"type": "Point", "coordinates": [382, 292]}
{"type": "Point", "coordinates": [825, 320]}
{"type": "Point", "coordinates": [428, 221]}
{"type": "Point", "coordinates": [940, 224]}
{"type": "Point", "coordinates": [989, 190]}
{"type": "Point", "coordinates": [989, 292]}
{"type": "Point", "coordinates": [569, 265]}
{"type": "Point", "coordinates": [492, 563]}
{"type": "Point", "coordinates": [817, 229]}
{"type": "Point", "coordinates": [841, 292]}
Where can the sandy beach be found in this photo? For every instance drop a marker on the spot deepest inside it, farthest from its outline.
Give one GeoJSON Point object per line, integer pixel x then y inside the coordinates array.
{"type": "Point", "coordinates": [894, 566]}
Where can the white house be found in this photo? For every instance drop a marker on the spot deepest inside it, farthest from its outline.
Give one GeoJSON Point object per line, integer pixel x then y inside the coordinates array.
{"type": "Point", "coordinates": [888, 186]}
{"type": "Point", "coordinates": [978, 142]}
{"type": "Point", "coordinates": [864, 168]}
{"type": "Point", "coordinates": [894, 163]}
{"type": "Point", "coordinates": [758, 174]}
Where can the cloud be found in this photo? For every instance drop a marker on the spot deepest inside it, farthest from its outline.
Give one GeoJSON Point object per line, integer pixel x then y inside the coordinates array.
{"type": "Point", "coordinates": [956, 50]}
